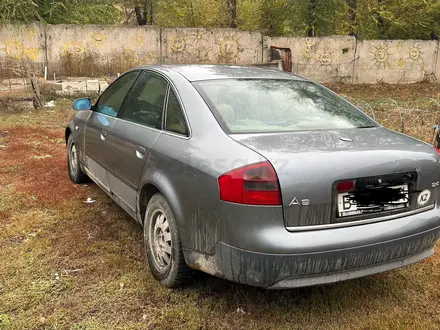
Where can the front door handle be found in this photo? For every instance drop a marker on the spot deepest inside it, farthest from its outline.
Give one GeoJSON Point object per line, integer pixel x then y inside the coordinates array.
{"type": "Point", "coordinates": [140, 152]}
{"type": "Point", "coordinates": [103, 135]}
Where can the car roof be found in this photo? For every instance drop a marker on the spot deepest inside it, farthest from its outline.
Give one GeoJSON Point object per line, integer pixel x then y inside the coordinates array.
{"type": "Point", "coordinates": [197, 72]}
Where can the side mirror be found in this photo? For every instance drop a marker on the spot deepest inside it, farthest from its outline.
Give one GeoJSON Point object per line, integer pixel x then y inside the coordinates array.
{"type": "Point", "coordinates": [83, 103]}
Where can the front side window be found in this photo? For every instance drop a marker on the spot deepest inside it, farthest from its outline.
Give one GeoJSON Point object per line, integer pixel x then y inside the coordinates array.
{"type": "Point", "coordinates": [146, 101]}
{"type": "Point", "coordinates": [175, 121]}
{"type": "Point", "coordinates": [111, 99]}
{"type": "Point", "coordinates": [270, 105]}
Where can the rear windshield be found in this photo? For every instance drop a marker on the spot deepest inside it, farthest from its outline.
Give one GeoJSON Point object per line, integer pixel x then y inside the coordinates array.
{"type": "Point", "coordinates": [266, 105]}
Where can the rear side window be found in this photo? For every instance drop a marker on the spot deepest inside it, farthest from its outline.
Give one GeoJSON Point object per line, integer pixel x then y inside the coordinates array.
{"type": "Point", "coordinates": [270, 105]}
{"type": "Point", "coordinates": [175, 120]}
{"type": "Point", "coordinates": [111, 99]}
{"type": "Point", "coordinates": [146, 101]}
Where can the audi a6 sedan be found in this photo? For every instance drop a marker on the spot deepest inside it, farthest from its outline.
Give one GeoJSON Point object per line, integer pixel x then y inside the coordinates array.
{"type": "Point", "coordinates": [256, 176]}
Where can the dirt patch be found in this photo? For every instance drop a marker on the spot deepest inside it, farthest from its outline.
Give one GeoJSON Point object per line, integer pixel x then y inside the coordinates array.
{"type": "Point", "coordinates": [41, 156]}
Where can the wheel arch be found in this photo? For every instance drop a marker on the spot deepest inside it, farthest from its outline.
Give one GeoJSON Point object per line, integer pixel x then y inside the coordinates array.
{"type": "Point", "coordinates": [67, 133]}
{"type": "Point", "coordinates": [147, 191]}
{"type": "Point", "coordinates": [158, 182]}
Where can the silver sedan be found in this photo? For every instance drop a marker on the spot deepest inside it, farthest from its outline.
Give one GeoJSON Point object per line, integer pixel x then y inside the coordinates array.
{"type": "Point", "coordinates": [256, 176]}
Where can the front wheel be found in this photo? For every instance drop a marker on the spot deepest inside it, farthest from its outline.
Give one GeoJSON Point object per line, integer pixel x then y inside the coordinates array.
{"type": "Point", "coordinates": [76, 174]}
{"type": "Point", "coordinates": [162, 244]}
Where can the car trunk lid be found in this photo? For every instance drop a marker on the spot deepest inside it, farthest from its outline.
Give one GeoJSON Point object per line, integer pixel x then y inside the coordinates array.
{"type": "Point", "coordinates": [310, 164]}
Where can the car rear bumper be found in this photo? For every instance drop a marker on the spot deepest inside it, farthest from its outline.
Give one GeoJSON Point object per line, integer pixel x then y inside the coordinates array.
{"type": "Point", "coordinates": [337, 262]}
{"type": "Point", "coordinates": [296, 282]}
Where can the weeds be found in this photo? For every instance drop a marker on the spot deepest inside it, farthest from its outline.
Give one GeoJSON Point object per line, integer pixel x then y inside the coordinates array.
{"type": "Point", "coordinates": [66, 264]}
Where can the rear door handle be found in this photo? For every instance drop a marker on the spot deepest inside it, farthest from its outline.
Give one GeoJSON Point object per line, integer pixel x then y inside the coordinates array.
{"type": "Point", "coordinates": [103, 135]}
{"type": "Point", "coordinates": [140, 152]}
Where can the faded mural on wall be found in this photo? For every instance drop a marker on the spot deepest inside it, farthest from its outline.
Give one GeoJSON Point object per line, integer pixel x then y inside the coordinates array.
{"type": "Point", "coordinates": [383, 58]}
{"type": "Point", "coordinates": [395, 61]}
{"type": "Point", "coordinates": [19, 45]}
{"type": "Point", "coordinates": [93, 50]}
{"type": "Point", "coordinates": [324, 59]}
{"type": "Point", "coordinates": [22, 44]}
{"type": "Point", "coordinates": [210, 46]}
{"type": "Point", "coordinates": [100, 50]}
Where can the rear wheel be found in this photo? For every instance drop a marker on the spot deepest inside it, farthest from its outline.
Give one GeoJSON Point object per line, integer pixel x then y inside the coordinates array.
{"type": "Point", "coordinates": [162, 244]}
{"type": "Point", "coordinates": [76, 174]}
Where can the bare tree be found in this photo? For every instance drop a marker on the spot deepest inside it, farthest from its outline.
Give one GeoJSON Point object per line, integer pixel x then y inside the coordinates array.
{"type": "Point", "coordinates": [151, 11]}
{"type": "Point", "coordinates": [352, 9]}
{"type": "Point", "coordinates": [144, 12]}
{"type": "Point", "coordinates": [140, 17]}
{"type": "Point", "coordinates": [232, 5]}
{"type": "Point", "coordinates": [379, 18]}
{"type": "Point", "coordinates": [311, 20]}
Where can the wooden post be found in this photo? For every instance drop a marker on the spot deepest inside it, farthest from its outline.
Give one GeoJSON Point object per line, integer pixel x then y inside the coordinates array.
{"type": "Point", "coordinates": [34, 85]}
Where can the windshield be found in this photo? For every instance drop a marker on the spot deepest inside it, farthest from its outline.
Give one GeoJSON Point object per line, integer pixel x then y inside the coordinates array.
{"type": "Point", "coordinates": [269, 105]}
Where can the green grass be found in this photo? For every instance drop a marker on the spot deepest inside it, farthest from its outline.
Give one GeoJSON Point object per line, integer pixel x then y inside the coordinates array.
{"type": "Point", "coordinates": [65, 264]}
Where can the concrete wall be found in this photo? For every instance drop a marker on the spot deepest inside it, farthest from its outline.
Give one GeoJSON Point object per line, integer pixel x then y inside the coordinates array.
{"type": "Point", "coordinates": [19, 44]}
{"type": "Point", "coordinates": [211, 46]}
{"type": "Point", "coordinates": [97, 50]}
{"type": "Point", "coordinates": [92, 50]}
{"type": "Point", "coordinates": [395, 61]}
{"type": "Point", "coordinates": [327, 59]}
{"type": "Point", "coordinates": [437, 63]}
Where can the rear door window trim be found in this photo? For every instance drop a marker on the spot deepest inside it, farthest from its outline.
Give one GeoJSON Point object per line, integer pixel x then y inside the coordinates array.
{"type": "Point", "coordinates": [186, 136]}
{"type": "Point", "coordinates": [164, 111]}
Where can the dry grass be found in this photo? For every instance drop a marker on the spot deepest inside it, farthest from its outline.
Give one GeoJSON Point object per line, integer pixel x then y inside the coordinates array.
{"type": "Point", "coordinates": [410, 109]}
{"type": "Point", "coordinates": [69, 265]}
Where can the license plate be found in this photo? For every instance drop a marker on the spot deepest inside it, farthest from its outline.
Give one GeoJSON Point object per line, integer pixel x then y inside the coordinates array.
{"type": "Point", "coordinates": [348, 207]}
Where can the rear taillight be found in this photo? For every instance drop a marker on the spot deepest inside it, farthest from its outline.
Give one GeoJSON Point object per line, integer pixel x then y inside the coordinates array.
{"type": "Point", "coordinates": [255, 184]}
{"type": "Point", "coordinates": [345, 186]}
{"type": "Point", "coordinates": [438, 150]}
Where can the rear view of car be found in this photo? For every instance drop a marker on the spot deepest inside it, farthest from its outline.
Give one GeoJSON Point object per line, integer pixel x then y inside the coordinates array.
{"type": "Point", "coordinates": [256, 176]}
{"type": "Point", "coordinates": [356, 198]}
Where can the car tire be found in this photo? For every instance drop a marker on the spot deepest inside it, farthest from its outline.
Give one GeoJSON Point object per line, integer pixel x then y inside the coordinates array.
{"type": "Point", "coordinates": [76, 174]}
{"type": "Point", "coordinates": [162, 244]}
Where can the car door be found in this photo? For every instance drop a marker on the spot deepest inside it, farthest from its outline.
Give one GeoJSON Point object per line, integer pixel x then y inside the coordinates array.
{"type": "Point", "coordinates": [96, 153]}
{"type": "Point", "coordinates": [133, 135]}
